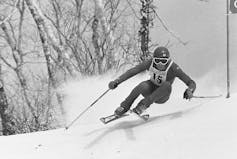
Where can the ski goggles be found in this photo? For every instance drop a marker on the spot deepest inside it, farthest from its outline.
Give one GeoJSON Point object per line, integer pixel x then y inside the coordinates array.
{"type": "Point", "coordinates": [162, 61]}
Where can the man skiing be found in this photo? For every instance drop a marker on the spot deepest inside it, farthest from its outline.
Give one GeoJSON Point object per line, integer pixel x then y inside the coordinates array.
{"type": "Point", "coordinates": [157, 89]}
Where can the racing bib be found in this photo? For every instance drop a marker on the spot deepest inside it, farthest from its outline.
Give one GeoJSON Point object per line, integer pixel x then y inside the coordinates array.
{"type": "Point", "coordinates": [157, 76]}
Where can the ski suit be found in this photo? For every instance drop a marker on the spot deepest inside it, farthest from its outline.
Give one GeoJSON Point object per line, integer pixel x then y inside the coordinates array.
{"type": "Point", "coordinates": [158, 88]}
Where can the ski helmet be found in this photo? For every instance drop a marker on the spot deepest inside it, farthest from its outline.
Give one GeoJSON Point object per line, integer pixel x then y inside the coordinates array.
{"type": "Point", "coordinates": [161, 52]}
{"type": "Point", "coordinates": [161, 58]}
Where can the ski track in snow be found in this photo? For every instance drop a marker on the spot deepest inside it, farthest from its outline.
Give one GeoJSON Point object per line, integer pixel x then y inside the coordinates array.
{"type": "Point", "coordinates": [196, 129]}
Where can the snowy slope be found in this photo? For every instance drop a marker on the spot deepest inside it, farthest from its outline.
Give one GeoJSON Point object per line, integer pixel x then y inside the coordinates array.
{"type": "Point", "coordinates": [199, 129]}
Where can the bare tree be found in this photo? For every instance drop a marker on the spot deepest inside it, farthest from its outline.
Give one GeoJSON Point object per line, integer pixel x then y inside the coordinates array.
{"type": "Point", "coordinates": [17, 54]}
{"type": "Point", "coordinates": [95, 41]}
{"type": "Point", "coordinates": [107, 31]}
{"type": "Point", "coordinates": [60, 39]}
{"type": "Point", "coordinates": [6, 119]}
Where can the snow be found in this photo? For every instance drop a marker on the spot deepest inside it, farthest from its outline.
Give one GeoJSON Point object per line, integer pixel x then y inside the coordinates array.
{"type": "Point", "coordinates": [178, 129]}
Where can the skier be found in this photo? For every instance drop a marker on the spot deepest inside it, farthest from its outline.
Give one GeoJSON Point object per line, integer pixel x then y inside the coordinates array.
{"type": "Point", "coordinates": [157, 89]}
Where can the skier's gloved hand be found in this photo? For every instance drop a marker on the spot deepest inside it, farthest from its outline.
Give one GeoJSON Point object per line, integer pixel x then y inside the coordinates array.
{"type": "Point", "coordinates": [113, 84]}
{"type": "Point", "coordinates": [188, 94]}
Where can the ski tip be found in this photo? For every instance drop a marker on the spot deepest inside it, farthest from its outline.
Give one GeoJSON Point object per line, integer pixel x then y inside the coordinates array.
{"type": "Point", "coordinates": [102, 120]}
{"type": "Point", "coordinates": [108, 119]}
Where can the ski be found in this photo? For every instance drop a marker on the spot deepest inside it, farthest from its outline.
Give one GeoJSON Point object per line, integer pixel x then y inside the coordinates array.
{"type": "Point", "coordinates": [110, 118]}
{"type": "Point", "coordinates": [144, 117]}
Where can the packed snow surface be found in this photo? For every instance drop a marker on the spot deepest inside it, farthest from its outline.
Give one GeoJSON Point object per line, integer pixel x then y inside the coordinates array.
{"type": "Point", "coordinates": [178, 129]}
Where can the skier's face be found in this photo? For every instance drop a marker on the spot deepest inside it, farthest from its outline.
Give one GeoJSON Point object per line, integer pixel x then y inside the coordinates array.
{"type": "Point", "coordinates": [161, 63]}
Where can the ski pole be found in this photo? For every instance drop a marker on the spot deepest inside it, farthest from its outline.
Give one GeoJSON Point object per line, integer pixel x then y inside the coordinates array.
{"type": "Point", "coordinates": [216, 96]}
{"type": "Point", "coordinates": [83, 112]}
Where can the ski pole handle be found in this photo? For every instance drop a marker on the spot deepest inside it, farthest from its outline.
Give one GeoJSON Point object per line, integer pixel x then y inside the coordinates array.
{"type": "Point", "coordinates": [83, 112]}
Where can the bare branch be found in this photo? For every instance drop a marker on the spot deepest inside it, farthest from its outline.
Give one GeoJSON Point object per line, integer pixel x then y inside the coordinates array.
{"type": "Point", "coordinates": [6, 62]}
{"type": "Point", "coordinates": [133, 10]}
{"type": "Point", "coordinates": [171, 32]}
{"type": "Point", "coordinates": [11, 14]}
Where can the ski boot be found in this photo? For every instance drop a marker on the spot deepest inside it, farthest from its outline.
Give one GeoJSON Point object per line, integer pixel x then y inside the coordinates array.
{"type": "Point", "coordinates": [140, 108]}
{"type": "Point", "coordinates": [120, 111]}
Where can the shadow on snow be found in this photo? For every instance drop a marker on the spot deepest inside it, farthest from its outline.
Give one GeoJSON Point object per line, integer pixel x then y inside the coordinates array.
{"type": "Point", "coordinates": [128, 126]}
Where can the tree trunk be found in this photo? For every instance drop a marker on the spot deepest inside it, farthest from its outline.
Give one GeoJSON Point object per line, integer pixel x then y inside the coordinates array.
{"type": "Point", "coordinates": [6, 119]}
{"type": "Point", "coordinates": [18, 58]}
{"type": "Point", "coordinates": [45, 44]}
{"type": "Point", "coordinates": [99, 7]}
{"type": "Point", "coordinates": [62, 60]}
{"type": "Point", "coordinates": [47, 37]}
{"type": "Point", "coordinates": [95, 41]}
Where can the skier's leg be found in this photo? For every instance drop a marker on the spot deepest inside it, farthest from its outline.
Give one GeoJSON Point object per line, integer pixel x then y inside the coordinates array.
{"type": "Point", "coordinates": [144, 88]}
{"type": "Point", "coordinates": [152, 87]}
{"type": "Point", "coordinates": [160, 95]}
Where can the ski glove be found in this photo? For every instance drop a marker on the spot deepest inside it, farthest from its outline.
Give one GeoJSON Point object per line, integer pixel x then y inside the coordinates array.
{"type": "Point", "coordinates": [188, 94]}
{"type": "Point", "coordinates": [113, 84]}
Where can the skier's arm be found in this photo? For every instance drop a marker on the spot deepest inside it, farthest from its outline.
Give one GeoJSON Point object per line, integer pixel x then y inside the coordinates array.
{"type": "Point", "coordinates": [133, 71]}
{"type": "Point", "coordinates": [184, 77]}
{"type": "Point", "coordinates": [130, 73]}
